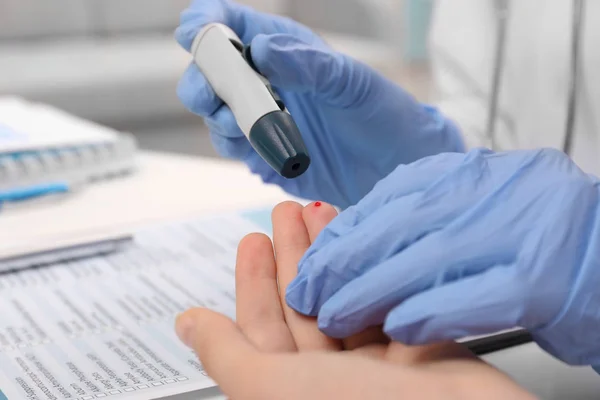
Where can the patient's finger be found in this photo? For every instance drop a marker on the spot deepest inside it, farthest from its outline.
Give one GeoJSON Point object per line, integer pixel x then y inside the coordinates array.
{"type": "Point", "coordinates": [258, 307]}
{"type": "Point", "coordinates": [370, 336]}
{"type": "Point", "coordinates": [291, 241]}
{"type": "Point", "coordinates": [316, 216]}
{"type": "Point", "coordinates": [224, 351]}
{"type": "Point", "coordinates": [426, 354]}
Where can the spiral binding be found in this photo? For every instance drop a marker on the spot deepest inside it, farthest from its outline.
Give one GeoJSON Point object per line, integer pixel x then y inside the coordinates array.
{"type": "Point", "coordinates": [73, 165]}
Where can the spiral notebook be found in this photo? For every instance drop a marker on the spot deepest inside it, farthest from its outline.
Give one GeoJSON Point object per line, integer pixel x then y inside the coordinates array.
{"type": "Point", "coordinates": [44, 149]}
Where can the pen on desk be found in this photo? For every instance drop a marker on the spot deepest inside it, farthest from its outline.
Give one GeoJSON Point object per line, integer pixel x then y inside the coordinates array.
{"type": "Point", "coordinates": [497, 342]}
{"type": "Point", "coordinates": [261, 115]}
{"type": "Point", "coordinates": [64, 253]}
{"type": "Point", "coordinates": [30, 192]}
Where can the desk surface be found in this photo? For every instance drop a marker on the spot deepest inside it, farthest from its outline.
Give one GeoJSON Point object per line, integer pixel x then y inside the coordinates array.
{"type": "Point", "coordinates": [168, 187]}
{"type": "Point", "coordinates": [163, 187]}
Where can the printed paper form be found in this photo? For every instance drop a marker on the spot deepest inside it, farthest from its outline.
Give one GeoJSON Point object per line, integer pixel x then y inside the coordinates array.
{"type": "Point", "coordinates": [104, 327]}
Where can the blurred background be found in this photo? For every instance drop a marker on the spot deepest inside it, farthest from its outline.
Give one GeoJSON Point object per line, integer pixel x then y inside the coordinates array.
{"type": "Point", "coordinates": [116, 62]}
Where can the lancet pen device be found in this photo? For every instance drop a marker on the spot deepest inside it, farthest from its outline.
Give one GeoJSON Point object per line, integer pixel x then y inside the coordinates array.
{"type": "Point", "coordinates": [261, 115]}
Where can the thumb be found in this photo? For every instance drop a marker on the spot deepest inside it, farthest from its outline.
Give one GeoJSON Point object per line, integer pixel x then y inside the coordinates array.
{"type": "Point", "coordinates": [222, 349]}
{"type": "Point", "coordinates": [480, 304]}
{"type": "Point", "coordinates": [292, 64]}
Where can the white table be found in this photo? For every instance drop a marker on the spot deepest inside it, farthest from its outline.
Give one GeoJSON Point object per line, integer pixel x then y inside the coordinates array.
{"type": "Point", "coordinates": [167, 187]}
{"type": "Point", "coordinates": [164, 187]}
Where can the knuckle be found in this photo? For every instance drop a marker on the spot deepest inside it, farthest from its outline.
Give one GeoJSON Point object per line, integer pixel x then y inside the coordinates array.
{"type": "Point", "coordinates": [574, 186]}
{"type": "Point", "coordinates": [184, 93]}
{"type": "Point", "coordinates": [229, 122]}
{"type": "Point", "coordinates": [553, 153]}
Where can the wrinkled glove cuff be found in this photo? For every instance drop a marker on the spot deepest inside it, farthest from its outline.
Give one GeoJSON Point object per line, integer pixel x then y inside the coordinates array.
{"type": "Point", "coordinates": [572, 337]}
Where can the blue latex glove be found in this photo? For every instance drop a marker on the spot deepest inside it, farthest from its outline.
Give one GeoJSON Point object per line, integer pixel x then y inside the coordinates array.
{"type": "Point", "coordinates": [357, 125]}
{"type": "Point", "coordinates": [465, 244]}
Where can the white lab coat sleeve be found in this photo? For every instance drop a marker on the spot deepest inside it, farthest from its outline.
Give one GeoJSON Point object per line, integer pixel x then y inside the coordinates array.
{"type": "Point", "coordinates": [461, 57]}
{"type": "Point", "coordinates": [467, 111]}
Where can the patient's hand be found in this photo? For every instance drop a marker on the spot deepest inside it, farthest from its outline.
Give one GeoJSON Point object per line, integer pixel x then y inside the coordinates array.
{"type": "Point", "coordinates": [272, 352]}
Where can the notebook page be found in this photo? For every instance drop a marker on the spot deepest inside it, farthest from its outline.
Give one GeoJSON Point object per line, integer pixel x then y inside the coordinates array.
{"type": "Point", "coordinates": [103, 327]}
{"type": "Point", "coordinates": [28, 126]}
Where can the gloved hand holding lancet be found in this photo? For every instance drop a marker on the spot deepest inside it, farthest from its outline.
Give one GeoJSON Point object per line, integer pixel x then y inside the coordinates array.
{"type": "Point", "coordinates": [259, 112]}
{"type": "Point", "coordinates": [356, 124]}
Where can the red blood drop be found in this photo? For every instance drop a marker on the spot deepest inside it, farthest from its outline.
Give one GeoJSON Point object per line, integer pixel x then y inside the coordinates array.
{"type": "Point", "coordinates": [318, 204]}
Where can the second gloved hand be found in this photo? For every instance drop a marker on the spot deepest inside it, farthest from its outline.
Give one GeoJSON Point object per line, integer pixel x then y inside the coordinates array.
{"type": "Point", "coordinates": [457, 245]}
{"type": "Point", "coordinates": [357, 125]}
